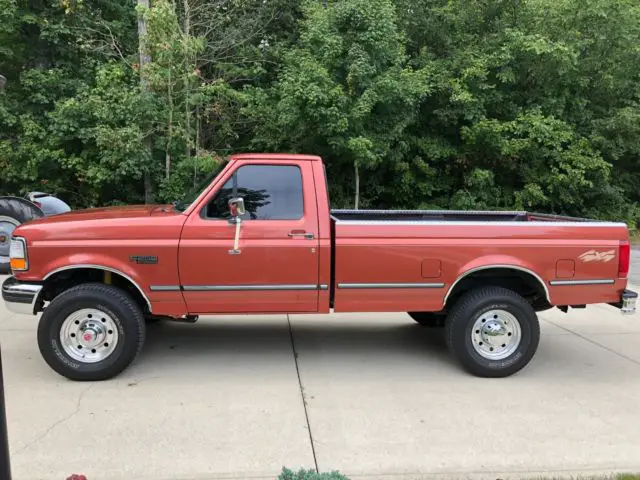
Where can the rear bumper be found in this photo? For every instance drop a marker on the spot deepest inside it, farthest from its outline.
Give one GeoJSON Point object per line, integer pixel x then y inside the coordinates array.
{"type": "Point", "coordinates": [20, 297]}
{"type": "Point", "coordinates": [627, 303]}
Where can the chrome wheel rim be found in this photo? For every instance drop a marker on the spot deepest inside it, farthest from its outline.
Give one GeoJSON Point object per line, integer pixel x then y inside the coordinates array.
{"type": "Point", "coordinates": [7, 226]}
{"type": "Point", "coordinates": [496, 335]}
{"type": "Point", "coordinates": [89, 335]}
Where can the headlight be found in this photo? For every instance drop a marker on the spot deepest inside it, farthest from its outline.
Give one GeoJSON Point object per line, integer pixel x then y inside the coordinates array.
{"type": "Point", "coordinates": [18, 255]}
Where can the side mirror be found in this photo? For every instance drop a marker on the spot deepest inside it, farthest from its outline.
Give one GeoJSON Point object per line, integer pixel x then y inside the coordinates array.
{"type": "Point", "coordinates": [236, 207]}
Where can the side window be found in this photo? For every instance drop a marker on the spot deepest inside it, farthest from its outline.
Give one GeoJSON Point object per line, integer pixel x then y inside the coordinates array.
{"type": "Point", "coordinates": [270, 192]}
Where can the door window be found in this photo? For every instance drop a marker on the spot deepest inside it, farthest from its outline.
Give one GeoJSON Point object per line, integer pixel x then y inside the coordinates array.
{"type": "Point", "coordinates": [270, 192]}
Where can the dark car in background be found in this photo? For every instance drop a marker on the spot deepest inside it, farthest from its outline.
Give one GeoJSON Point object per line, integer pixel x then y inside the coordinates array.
{"type": "Point", "coordinates": [15, 211]}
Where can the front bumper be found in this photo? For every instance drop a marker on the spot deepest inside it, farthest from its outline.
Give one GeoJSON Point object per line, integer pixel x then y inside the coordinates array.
{"type": "Point", "coordinates": [20, 297]}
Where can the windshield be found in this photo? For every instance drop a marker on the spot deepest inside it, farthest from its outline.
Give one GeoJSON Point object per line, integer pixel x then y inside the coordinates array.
{"type": "Point", "coordinates": [182, 204]}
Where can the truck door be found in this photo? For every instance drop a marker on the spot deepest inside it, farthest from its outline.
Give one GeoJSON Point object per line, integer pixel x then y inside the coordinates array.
{"type": "Point", "coordinates": [276, 266]}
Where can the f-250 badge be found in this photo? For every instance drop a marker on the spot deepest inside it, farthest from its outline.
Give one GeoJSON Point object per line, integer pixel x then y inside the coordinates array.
{"type": "Point", "coordinates": [595, 256]}
{"type": "Point", "coordinates": [144, 259]}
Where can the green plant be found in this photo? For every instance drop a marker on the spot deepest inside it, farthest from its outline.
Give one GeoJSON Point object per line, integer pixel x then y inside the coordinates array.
{"type": "Point", "coordinates": [309, 475]}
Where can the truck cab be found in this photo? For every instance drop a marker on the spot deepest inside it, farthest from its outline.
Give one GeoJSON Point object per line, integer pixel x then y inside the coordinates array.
{"type": "Point", "coordinates": [282, 258]}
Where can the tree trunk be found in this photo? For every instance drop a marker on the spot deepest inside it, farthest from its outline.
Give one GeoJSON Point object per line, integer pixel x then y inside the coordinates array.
{"type": "Point", "coordinates": [187, 95]}
{"type": "Point", "coordinates": [195, 164]}
{"type": "Point", "coordinates": [145, 58]}
{"type": "Point", "coordinates": [149, 188]}
{"type": "Point", "coordinates": [167, 157]}
{"type": "Point", "coordinates": [357, 197]}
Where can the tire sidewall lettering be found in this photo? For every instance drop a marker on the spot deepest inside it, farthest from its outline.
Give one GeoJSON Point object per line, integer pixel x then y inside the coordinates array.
{"type": "Point", "coordinates": [63, 357]}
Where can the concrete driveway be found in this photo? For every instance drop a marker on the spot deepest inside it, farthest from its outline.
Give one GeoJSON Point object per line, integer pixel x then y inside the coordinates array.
{"type": "Point", "coordinates": [223, 399]}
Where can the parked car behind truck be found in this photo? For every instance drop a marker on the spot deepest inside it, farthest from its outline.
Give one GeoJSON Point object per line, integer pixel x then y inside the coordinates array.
{"type": "Point", "coordinates": [260, 238]}
{"type": "Point", "coordinates": [16, 210]}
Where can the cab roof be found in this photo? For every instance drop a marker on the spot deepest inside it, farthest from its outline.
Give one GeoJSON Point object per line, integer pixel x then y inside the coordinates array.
{"type": "Point", "coordinates": [276, 156]}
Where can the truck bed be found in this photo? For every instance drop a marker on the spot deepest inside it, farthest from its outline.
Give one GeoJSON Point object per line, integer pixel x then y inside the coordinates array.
{"type": "Point", "coordinates": [449, 216]}
{"type": "Point", "coordinates": [386, 258]}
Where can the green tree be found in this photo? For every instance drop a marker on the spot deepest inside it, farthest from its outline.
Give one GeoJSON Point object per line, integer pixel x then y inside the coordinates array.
{"type": "Point", "coordinates": [346, 91]}
{"type": "Point", "coordinates": [413, 103]}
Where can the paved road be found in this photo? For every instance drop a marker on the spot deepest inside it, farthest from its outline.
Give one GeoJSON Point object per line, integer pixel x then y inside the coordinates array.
{"type": "Point", "coordinates": [222, 399]}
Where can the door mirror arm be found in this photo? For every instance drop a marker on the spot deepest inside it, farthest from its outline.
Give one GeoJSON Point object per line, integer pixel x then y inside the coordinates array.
{"type": "Point", "coordinates": [236, 208]}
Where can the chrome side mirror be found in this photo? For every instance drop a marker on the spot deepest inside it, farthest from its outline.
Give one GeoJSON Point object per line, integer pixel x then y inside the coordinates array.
{"type": "Point", "coordinates": [236, 207]}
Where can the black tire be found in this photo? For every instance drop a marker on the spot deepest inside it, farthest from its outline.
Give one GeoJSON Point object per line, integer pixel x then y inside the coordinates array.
{"type": "Point", "coordinates": [116, 303]}
{"type": "Point", "coordinates": [16, 211]}
{"type": "Point", "coordinates": [428, 319]}
{"type": "Point", "coordinates": [469, 308]}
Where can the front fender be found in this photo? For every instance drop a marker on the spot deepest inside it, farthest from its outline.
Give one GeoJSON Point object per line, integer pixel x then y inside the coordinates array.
{"type": "Point", "coordinates": [97, 262]}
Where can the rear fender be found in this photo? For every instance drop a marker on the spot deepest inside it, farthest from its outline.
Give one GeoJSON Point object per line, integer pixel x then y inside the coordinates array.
{"type": "Point", "coordinates": [496, 261]}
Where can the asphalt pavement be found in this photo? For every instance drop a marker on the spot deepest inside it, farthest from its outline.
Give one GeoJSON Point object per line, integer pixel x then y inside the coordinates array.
{"type": "Point", "coordinates": [375, 396]}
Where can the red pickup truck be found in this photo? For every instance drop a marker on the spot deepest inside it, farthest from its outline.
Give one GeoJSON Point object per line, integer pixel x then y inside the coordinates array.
{"type": "Point", "coordinates": [259, 237]}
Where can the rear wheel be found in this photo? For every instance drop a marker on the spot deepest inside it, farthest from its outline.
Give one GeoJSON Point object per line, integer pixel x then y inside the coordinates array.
{"type": "Point", "coordinates": [91, 332]}
{"type": "Point", "coordinates": [428, 319]}
{"type": "Point", "coordinates": [492, 331]}
{"type": "Point", "coordinates": [13, 212]}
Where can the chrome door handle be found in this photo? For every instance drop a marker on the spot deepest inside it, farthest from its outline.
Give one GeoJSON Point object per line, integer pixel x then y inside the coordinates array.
{"type": "Point", "coordinates": [294, 234]}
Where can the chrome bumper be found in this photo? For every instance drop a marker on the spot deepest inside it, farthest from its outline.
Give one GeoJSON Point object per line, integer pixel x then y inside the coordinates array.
{"type": "Point", "coordinates": [20, 297]}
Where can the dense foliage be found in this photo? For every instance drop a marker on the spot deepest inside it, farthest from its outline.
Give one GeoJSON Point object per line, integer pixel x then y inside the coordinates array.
{"type": "Point", "coordinates": [527, 104]}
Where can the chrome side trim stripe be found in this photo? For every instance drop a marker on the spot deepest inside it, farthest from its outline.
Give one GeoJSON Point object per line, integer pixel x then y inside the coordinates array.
{"type": "Point", "coordinates": [240, 288]}
{"type": "Point", "coordinates": [226, 288]}
{"type": "Point", "coordinates": [354, 286]}
{"type": "Point", "coordinates": [581, 282]}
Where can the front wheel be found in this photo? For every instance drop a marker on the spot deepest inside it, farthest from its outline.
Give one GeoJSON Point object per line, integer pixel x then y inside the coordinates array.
{"type": "Point", "coordinates": [493, 332]}
{"type": "Point", "coordinates": [91, 332]}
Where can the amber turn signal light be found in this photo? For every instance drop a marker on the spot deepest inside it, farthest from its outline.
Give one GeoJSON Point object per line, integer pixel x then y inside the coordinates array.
{"type": "Point", "coordinates": [18, 260]}
{"type": "Point", "coordinates": [18, 264]}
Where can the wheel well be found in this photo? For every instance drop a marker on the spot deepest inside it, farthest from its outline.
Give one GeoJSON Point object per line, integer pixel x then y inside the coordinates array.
{"type": "Point", "coordinates": [519, 281]}
{"type": "Point", "coordinates": [66, 279]}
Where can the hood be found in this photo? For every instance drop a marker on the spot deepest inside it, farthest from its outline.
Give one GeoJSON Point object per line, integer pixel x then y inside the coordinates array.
{"type": "Point", "coordinates": [107, 213]}
{"type": "Point", "coordinates": [112, 223]}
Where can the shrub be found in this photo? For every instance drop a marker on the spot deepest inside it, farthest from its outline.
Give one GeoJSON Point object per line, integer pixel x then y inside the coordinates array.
{"type": "Point", "coordinates": [309, 475]}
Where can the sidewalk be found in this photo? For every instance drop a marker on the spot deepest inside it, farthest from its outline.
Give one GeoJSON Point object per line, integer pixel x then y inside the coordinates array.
{"type": "Point", "coordinates": [383, 399]}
